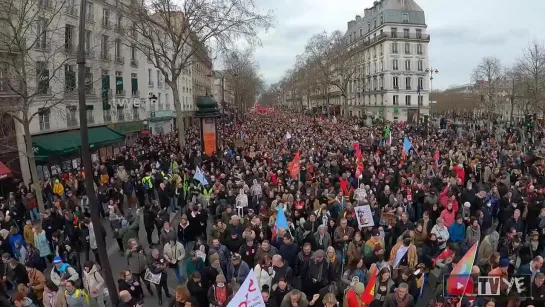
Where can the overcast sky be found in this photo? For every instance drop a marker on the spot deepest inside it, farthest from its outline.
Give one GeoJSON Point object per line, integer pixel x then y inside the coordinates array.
{"type": "Point", "coordinates": [462, 32]}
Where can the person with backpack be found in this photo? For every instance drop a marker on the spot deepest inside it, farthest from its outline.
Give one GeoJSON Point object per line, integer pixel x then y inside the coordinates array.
{"type": "Point", "coordinates": [75, 297]}
{"type": "Point", "coordinates": [93, 283]}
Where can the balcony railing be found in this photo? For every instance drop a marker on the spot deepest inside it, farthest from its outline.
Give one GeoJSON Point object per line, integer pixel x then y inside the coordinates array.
{"type": "Point", "coordinates": [135, 94]}
{"type": "Point", "coordinates": [134, 62]}
{"type": "Point", "coordinates": [119, 60]}
{"type": "Point", "coordinates": [70, 91]}
{"type": "Point", "coordinates": [120, 92]}
{"type": "Point", "coordinates": [90, 91]}
{"type": "Point", "coordinates": [105, 56]}
{"type": "Point", "coordinates": [106, 23]}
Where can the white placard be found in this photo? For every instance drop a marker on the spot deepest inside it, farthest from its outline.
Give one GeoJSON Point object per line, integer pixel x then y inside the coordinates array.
{"type": "Point", "coordinates": [153, 278]}
{"type": "Point", "coordinates": [249, 294]}
{"type": "Point", "coordinates": [364, 216]}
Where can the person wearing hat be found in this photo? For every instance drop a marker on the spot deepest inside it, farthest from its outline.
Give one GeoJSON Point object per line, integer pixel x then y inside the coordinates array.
{"type": "Point", "coordinates": [220, 293]}
{"type": "Point", "coordinates": [316, 273]}
{"type": "Point", "coordinates": [62, 272]}
{"type": "Point", "coordinates": [237, 270]}
{"type": "Point", "coordinates": [353, 297]}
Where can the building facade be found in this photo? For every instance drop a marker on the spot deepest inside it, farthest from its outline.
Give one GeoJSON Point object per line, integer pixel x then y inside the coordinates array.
{"type": "Point", "coordinates": [228, 93]}
{"type": "Point", "coordinates": [126, 96]}
{"type": "Point", "coordinates": [389, 46]}
{"type": "Point", "coordinates": [202, 73]}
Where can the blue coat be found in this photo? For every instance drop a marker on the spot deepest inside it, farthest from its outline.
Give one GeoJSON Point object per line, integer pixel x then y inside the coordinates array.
{"type": "Point", "coordinates": [457, 232]}
{"type": "Point", "coordinates": [15, 238]}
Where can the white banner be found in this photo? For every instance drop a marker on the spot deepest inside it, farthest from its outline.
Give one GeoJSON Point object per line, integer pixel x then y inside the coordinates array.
{"type": "Point", "coordinates": [249, 294]}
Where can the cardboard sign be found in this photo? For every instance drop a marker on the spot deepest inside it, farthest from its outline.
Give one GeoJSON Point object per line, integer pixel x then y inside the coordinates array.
{"type": "Point", "coordinates": [389, 218]}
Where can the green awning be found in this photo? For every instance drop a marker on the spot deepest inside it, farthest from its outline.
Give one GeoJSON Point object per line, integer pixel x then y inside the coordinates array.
{"type": "Point", "coordinates": [69, 142]}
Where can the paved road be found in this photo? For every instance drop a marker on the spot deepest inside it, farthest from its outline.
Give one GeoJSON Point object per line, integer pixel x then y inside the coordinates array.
{"type": "Point", "coordinates": [118, 262]}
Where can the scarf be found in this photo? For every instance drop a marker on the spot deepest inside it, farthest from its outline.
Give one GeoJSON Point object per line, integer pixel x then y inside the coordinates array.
{"type": "Point", "coordinates": [402, 302]}
{"type": "Point", "coordinates": [52, 298]}
{"type": "Point", "coordinates": [331, 259]}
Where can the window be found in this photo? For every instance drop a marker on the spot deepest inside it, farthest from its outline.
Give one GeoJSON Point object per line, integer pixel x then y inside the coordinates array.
{"type": "Point", "coordinates": [407, 48]}
{"type": "Point", "coordinates": [368, 27]}
{"type": "Point", "coordinates": [135, 113]}
{"type": "Point", "coordinates": [107, 116]}
{"type": "Point", "coordinates": [396, 100]}
{"type": "Point", "coordinates": [134, 85]}
{"type": "Point", "coordinates": [119, 24]}
{"type": "Point", "coordinates": [90, 16]}
{"type": "Point", "coordinates": [419, 49]}
{"type": "Point", "coordinates": [408, 100]}
{"type": "Point", "coordinates": [118, 52]}
{"type": "Point", "coordinates": [381, 65]}
{"type": "Point", "coordinates": [350, 38]}
{"type": "Point", "coordinates": [420, 65]}
{"type": "Point", "coordinates": [88, 80]}
{"type": "Point", "coordinates": [361, 32]}
{"type": "Point", "coordinates": [120, 114]}
{"type": "Point", "coordinates": [106, 17]}
{"type": "Point", "coordinates": [90, 115]}
{"type": "Point", "coordinates": [158, 78]}
{"type": "Point", "coordinates": [419, 33]}
{"type": "Point", "coordinates": [408, 83]}
{"type": "Point", "coordinates": [71, 116]}
{"type": "Point", "coordinates": [396, 82]}
{"type": "Point", "coordinates": [42, 33]}
{"type": "Point", "coordinates": [166, 100]}
{"type": "Point", "coordinates": [150, 81]}
{"type": "Point", "coordinates": [161, 105]}
{"type": "Point", "coordinates": [42, 76]}
{"type": "Point", "coordinates": [69, 38]}
{"type": "Point", "coordinates": [395, 64]}
{"type": "Point", "coordinates": [406, 33]}
{"type": "Point", "coordinates": [394, 47]}
{"type": "Point", "coordinates": [69, 78]}
{"type": "Point", "coordinates": [420, 83]}
{"type": "Point", "coordinates": [394, 32]}
{"type": "Point", "coordinates": [420, 100]}
{"type": "Point", "coordinates": [375, 24]}
{"type": "Point", "coordinates": [381, 19]}
{"type": "Point", "coordinates": [104, 51]}
{"type": "Point", "coordinates": [408, 65]}
{"type": "Point", "coordinates": [43, 116]}
{"type": "Point", "coordinates": [88, 35]}
{"type": "Point", "coordinates": [405, 17]}
{"type": "Point", "coordinates": [133, 52]}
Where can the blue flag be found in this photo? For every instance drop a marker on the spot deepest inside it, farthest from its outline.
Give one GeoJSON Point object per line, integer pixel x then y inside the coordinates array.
{"type": "Point", "coordinates": [199, 176]}
{"type": "Point", "coordinates": [281, 221]}
{"type": "Point", "coordinates": [407, 144]}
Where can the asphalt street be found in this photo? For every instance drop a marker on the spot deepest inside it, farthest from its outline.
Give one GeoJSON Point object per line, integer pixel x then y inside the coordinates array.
{"type": "Point", "coordinates": [118, 262]}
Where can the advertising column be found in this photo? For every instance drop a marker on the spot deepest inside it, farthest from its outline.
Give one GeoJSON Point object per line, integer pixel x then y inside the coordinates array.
{"type": "Point", "coordinates": [209, 135]}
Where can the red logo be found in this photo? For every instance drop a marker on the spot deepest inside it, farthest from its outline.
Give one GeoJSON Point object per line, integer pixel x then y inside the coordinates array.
{"type": "Point", "coordinates": [458, 285]}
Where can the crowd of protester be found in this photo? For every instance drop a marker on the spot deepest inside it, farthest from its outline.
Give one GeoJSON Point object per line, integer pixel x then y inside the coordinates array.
{"type": "Point", "coordinates": [452, 189]}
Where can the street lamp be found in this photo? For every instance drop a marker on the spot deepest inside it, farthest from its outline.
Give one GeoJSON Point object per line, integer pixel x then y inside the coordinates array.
{"type": "Point", "coordinates": [431, 71]}
{"type": "Point", "coordinates": [222, 76]}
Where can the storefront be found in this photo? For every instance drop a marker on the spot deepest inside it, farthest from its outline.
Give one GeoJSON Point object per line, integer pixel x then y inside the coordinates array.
{"type": "Point", "coordinates": [131, 130]}
{"type": "Point", "coordinates": [161, 122]}
{"type": "Point", "coordinates": [60, 152]}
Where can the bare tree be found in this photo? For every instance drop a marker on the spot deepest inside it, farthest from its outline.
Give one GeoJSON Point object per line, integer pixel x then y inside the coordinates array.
{"type": "Point", "coordinates": [531, 69]}
{"type": "Point", "coordinates": [32, 62]}
{"type": "Point", "coordinates": [488, 78]}
{"type": "Point", "coordinates": [342, 61]}
{"type": "Point", "coordinates": [318, 53]}
{"type": "Point", "coordinates": [243, 78]}
{"type": "Point", "coordinates": [172, 33]}
{"type": "Point", "coordinates": [514, 90]}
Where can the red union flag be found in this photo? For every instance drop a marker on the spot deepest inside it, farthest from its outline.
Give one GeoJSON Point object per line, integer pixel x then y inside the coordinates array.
{"type": "Point", "coordinates": [294, 166]}
{"type": "Point", "coordinates": [359, 163]}
{"type": "Point", "coordinates": [248, 295]}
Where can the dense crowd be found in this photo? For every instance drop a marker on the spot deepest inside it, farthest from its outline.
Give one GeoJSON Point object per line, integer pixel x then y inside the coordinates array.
{"type": "Point", "coordinates": [429, 203]}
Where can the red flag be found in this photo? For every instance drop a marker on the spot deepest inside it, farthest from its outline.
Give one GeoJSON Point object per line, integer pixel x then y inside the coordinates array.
{"type": "Point", "coordinates": [295, 166]}
{"type": "Point", "coordinates": [359, 163]}
{"type": "Point", "coordinates": [368, 294]}
{"type": "Point", "coordinates": [444, 255]}
{"type": "Point", "coordinates": [356, 147]}
{"type": "Point", "coordinates": [436, 158]}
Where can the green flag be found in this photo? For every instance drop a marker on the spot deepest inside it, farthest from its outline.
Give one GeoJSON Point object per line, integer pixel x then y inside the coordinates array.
{"type": "Point", "coordinates": [387, 132]}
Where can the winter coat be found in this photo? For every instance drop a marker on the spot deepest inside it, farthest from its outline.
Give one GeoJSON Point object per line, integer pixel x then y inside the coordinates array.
{"type": "Point", "coordinates": [64, 272]}
{"type": "Point", "coordinates": [41, 243]}
{"type": "Point", "coordinates": [37, 282]}
{"type": "Point", "coordinates": [136, 261]}
{"type": "Point", "coordinates": [263, 276]}
{"type": "Point", "coordinates": [28, 234]}
{"type": "Point", "coordinates": [487, 247]}
{"type": "Point", "coordinates": [93, 282]}
{"type": "Point", "coordinates": [57, 297]}
{"type": "Point", "coordinates": [286, 301]}
{"type": "Point", "coordinates": [240, 276]}
{"type": "Point", "coordinates": [14, 238]}
{"type": "Point", "coordinates": [176, 252]}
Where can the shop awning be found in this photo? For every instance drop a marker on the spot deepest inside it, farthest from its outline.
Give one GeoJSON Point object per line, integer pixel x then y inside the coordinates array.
{"type": "Point", "coordinates": [5, 172]}
{"type": "Point", "coordinates": [68, 142]}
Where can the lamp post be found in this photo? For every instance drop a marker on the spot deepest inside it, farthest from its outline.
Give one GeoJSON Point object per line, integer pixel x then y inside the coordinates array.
{"type": "Point", "coordinates": [431, 71]}
{"type": "Point", "coordinates": [222, 76]}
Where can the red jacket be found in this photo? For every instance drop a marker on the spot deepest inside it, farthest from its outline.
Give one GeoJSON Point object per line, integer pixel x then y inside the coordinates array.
{"type": "Point", "coordinates": [353, 299]}
{"type": "Point", "coordinates": [460, 172]}
{"type": "Point", "coordinates": [448, 217]}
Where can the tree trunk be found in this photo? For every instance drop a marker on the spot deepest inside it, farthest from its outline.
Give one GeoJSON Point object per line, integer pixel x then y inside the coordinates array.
{"type": "Point", "coordinates": [179, 114]}
{"type": "Point", "coordinates": [36, 183]}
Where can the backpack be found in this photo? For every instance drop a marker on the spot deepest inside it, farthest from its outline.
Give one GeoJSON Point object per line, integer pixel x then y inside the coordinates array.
{"type": "Point", "coordinates": [77, 294]}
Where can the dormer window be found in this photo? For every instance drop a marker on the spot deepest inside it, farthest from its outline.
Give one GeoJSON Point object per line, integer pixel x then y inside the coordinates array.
{"type": "Point", "coordinates": [361, 32]}
{"type": "Point", "coordinates": [405, 17]}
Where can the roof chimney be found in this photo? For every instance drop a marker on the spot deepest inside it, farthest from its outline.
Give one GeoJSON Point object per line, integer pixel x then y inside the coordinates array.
{"type": "Point", "coordinates": [358, 18]}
